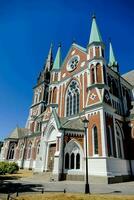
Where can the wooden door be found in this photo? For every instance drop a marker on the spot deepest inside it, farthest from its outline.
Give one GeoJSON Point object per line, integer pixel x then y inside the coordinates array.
{"type": "Point", "coordinates": [52, 149]}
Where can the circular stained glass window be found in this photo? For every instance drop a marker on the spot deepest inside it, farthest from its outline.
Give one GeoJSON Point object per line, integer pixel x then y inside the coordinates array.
{"type": "Point", "coordinates": [73, 62]}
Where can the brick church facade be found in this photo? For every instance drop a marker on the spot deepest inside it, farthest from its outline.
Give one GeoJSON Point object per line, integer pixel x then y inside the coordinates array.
{"type": "Point", "coordinates": [83, 85]}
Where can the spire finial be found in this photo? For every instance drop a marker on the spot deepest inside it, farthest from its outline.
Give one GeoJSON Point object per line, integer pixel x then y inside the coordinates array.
{"type": "Point", "coordinates": [93, 15]}
{"type": "Point", "coordinates": [59, 44]}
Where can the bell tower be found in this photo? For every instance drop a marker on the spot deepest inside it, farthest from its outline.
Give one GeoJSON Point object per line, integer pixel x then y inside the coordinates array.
{"type": "Point", "coordinates": [40, 94]}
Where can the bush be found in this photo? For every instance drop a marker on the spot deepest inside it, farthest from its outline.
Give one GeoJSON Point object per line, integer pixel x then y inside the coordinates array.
{"type": "Point", "coordinates": [12, 168]}
{"type": "Point", "coordinates": [9, 168]}
{"type": "Point", "coordinates": [3, 167]}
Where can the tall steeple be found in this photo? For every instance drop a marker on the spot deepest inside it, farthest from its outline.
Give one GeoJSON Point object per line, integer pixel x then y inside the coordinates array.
{"type": "Point", "coordinates": [95, 35]}
{"type": "Point", "coordinates": [45, 73]}
{"type": "Point", "coordinates": [95, 47]}
{"type": "Point", "coordinates": [112, 61]}
{"type": "Point", "coordinates": [58, 59]}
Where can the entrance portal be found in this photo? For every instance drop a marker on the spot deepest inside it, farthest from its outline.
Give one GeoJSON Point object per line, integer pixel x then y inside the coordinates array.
{"type": "Point", "coordinates": [52, 149]}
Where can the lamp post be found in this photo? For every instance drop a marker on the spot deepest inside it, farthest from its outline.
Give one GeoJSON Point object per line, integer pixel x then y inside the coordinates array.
{"type": "Point", "coordinates": [87, 189]}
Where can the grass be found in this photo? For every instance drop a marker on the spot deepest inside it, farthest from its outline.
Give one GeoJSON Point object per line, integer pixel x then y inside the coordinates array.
{"type": "Point", "coordinates": [55, 196]}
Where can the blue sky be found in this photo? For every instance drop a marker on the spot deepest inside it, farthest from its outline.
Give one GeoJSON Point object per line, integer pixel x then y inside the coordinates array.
{"type": "Point", "coordinates": [27, 27]}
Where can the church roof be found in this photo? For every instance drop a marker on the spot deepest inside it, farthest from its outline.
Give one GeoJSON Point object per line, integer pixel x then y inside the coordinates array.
{"type": "Point", "coordinates": [66, 123]}
{"type": "Point", "coordinates": [18, 133]}
{"type": "Point", "coordinates": [75, 124]}
{"type": "Point", "coordinates": [95, 35]}
{"type": "Point", "coordinates": [129, 77]}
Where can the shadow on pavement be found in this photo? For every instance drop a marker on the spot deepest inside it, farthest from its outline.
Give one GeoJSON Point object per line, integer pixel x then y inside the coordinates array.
{"type": "Point", "coordinates": [6, 186]}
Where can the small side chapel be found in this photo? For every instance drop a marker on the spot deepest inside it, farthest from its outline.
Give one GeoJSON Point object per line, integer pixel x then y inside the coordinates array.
{"type": "Point", "coordinates": [83, 85]}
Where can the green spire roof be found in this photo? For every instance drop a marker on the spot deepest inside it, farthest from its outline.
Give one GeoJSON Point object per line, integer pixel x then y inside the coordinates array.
{"type": "Point", "coordinates": [58, 60]}
{"type": "Point", "coordinates": [95, 34]}
{"type": "Point", "coordinates": [112, 60]}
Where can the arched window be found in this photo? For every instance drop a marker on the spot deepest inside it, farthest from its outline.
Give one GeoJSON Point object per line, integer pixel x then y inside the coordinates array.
{"type": "Point", "coordinates": [114, 88]}
{"type": "Point", "coordinates": [11, 151]}
{"type": "Point", "coordinates": [119, 143]}
{"type": "Point", "coordinates": [78, 161]}
{"type": "Point", "coordinates": [97, 52]}
{"type": "Point", "coordinates": [109, 141]}
{"type": "Point", "coordinates": [99, 73]}
{"type": "Point", "coordinates": [29, 150]}
{"type": "Point", "coordinates": [92, 75]}
{"type": "Point", "coordinates": [67, 161]}
{"type": "Point", "coordinates": [54, 95]}
{"type": "Point", "coordinates": [95, 140]}
{"type": "Point", "coordinates": [72, 99]}
{"type": "Point", "coordinates": [56, 77]}
{"type": "Point", "coordinates": [72, 161]}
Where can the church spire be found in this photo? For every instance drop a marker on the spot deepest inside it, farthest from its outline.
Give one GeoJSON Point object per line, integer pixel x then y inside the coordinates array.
{"type": "Point", "coordinates": [112, 61]}
{"type": "Point", "coordinates": [49, 60]}
{"type": "Point", "coordinates": [95, 33]}
{"type": "Point", "coordinates": [58, 59]}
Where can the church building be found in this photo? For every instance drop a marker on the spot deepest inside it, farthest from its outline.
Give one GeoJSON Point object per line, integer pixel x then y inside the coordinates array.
{"type": "Point", "coordinates": [84, 85]}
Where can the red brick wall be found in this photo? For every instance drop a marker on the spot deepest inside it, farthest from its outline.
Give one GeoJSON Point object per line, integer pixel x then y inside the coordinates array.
{"type": "Point", "coordinates": [94, 120]}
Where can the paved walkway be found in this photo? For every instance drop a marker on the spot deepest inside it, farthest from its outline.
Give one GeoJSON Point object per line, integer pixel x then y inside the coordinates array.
{"type": "Point", "coordinates": [37, 184]}
{"type": "Point", "coordinates": [79, 186]}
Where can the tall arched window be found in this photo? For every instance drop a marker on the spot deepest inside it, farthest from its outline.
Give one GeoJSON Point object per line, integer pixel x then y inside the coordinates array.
{"type": "Point", "coordinates": [97, 52]}
{"type": "Point", "coordinates": [54, 95]}
{"type": "Point", "coordinates": [78, 161]}
{"type": "Point", "coordinates": [92, 75]}
{"type": "Point", "coordinates": [67, 161]}
{"type": "Point", "coordinates": [119, 143]}
{"type": "Point", "coordinates": [11, 151]}
{"type": "Point", "coordinates": [72, 99]}
{"type": "Point", "coordinates": [95, 140]}
{"type": "Point", "coordinates": [72, 161]}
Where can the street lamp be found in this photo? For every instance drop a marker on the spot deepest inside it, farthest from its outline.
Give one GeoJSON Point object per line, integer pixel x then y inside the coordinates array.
{"type": "Point", "coordinates": [87, 189]}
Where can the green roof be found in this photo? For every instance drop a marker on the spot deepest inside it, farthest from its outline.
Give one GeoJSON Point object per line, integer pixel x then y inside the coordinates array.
{"type": "Point", "coordinates": [95, 34]}
{"type": "Point", "coordinates": [112, 60]}
{"type": "Point", "coordinates": [58, 60]}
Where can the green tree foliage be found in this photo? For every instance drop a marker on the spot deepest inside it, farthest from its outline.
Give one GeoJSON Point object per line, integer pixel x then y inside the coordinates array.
{"type": "Point", "coordinates": [9, 168]}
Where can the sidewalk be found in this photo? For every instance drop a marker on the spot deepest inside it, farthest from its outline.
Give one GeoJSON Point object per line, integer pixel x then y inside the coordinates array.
{"type": "Point", "coordinates": [79, 186]}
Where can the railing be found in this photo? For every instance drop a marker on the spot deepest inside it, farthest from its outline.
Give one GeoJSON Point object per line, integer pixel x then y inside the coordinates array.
{"type": "Point", "coordinates": [12, 196]}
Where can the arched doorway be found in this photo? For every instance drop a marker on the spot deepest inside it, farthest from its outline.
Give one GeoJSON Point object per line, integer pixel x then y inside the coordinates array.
{"type": "Point", "coordinates": [51, 148]}
{"type": "Point", "coordinates": [51, 152]}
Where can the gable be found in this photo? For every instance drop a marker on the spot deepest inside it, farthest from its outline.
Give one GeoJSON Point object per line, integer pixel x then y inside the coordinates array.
{"type": "Point", "coordinates": [74, 52]}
